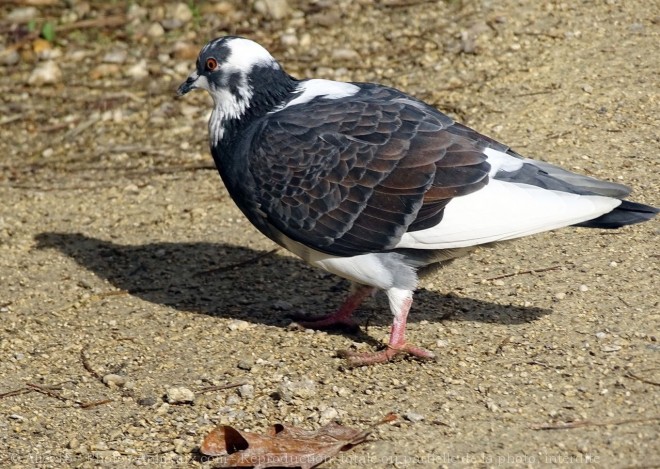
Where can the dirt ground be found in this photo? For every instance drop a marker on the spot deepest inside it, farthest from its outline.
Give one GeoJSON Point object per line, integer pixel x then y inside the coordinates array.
{"type": "Point", "coordinates": [126, 270]}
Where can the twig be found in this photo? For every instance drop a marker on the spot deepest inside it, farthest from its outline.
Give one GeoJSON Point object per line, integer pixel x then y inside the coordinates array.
{"type": "Point", "coordinates": [83, 24]}
{"type": "Point", "coordinates": [89, 405]}
{"type": "Point", "coordinates": [225, 268]}
{"type": "Point", "coordinates": [541, 34]}
{"type": "Point", "coordinates": [631, 375]}
{"type": "Point", "coordinates": [87, 366]}
{"type": "Point", "coordinates": [220, 388]}
{"type": "Point", "coordinates": [559, 134]}
{"type": "Point", "coordinates": [170, 170]}
{"type": "Point", "coordinates": [16, 392]}
{"type": "Point", "coordinates": [36, 3]}
{"type": "Point", "coordinates": [535, 93]}
{"type": "Point", "coordinates": [536, 362]}
{"type": "Point", "coordinates": [142, 149]}
{"type": "Point", "coordinates": [105, 22]}
{"type": "Point", "coordinates": [71, 134]}
{"type": "Point", "coordinates": [590, 423]}
{"type": "Point", "coordinates": [405, 3]}
{"type": "Point", "coordinates": [48, 392]}
{"type": "Point", "coordinates": [531, 271]}
{"type": "Point", "coordinates": [10, 119]}
{"type": "Point", "coordinates": [624, 301]}
{"type": "Point", "coordinates": [500, 347]}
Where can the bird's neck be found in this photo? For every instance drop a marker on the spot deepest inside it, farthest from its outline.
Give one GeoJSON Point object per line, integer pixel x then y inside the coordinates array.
{"type": "Point", "coordinates": [266, 89]}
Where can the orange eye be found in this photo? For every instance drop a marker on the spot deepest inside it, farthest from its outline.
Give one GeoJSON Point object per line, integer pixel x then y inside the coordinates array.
{"type": "Point", "coordinates": [211, 64]}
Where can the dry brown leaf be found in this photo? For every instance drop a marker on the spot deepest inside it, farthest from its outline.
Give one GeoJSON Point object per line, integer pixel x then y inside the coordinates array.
{"type": "Point", "coordinates": [282, 446]}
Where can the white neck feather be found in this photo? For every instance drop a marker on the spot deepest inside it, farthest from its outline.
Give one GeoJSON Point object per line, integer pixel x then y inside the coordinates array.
{"type": "Point", "coordinates": [226, 106]}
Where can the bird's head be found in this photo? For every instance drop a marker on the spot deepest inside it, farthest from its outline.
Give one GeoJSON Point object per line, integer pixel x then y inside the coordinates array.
{"type": "Point", "coordinates": [224, 67]}
{"type": "Point", "coordinates": [242, 78]}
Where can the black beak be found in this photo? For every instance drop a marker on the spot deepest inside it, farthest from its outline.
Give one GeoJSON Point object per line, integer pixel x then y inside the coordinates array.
{"type": "Point", "coordinates": [188, 85]}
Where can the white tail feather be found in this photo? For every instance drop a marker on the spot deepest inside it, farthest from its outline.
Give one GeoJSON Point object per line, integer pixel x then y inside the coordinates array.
{"type": "Point", "coordinates": [505, 210]}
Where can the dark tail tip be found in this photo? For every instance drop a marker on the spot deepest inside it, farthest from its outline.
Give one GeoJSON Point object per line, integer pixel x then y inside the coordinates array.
{"type": "Point", "coordinates": [628, 213]}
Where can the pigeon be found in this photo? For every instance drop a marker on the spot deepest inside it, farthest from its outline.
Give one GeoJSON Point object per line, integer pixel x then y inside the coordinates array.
{"type": "Point", "coordinates": [374, 185]}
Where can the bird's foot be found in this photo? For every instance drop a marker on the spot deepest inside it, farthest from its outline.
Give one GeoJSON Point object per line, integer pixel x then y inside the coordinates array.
{"type": "Point", "coordinates": [372, 358]}
{"type": "Point", "coordinates": [331, 321]}
{"type": "Point", "coordinates": [342, 317]}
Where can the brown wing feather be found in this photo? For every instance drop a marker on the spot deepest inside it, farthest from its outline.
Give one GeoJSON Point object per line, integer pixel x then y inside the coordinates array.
{"type": "Point", "coordinates": [352, 175]}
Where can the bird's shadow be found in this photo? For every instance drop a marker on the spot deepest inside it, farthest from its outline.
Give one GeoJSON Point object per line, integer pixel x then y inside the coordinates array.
{"type": "Point", "coordinates": [238, 282]}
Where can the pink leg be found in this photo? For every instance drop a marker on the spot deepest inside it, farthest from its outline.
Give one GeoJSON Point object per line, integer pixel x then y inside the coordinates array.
{"type": "Point", "coordinates": [342, 317]}
{"type": "Point", "coordinates": [397, 344]}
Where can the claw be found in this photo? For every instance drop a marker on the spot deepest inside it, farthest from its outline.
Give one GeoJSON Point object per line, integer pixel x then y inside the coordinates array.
{"type": "Point", "coordinates": [372, 358]}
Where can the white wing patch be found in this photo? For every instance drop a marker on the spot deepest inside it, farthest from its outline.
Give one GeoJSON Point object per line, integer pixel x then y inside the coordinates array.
{"type": "Point", "coordinates": [500, 161]}
{"type": "Point", "coordinates": [504, 210]}
{"type": "Point", "coordinates": [318, 87]}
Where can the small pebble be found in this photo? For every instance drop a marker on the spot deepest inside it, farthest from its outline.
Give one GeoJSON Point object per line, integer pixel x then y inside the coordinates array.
{"type": "Point", "coordinates": [136, 12]}
{"type": "Point", "coordinates": [99, 446]}
{"type": "Point", "coordinates": [107, 455]}
{"type": "Point", "coordinates": [560, 295]}
{"type": "Point", "coordinates": [413, 417]}
{"type": "Point", "coordinates": [22, 15]}
{"type": "Point", "coordinates": [328, 415]}
{"type": "Point", "coordinates": [117, 56]}
{"type": "Point", "coordinates": [156, 30]}
{"type": "Point", "coordinates": [245, 365]}
{"type": "Point", "coordinates": [272, 9]}
{"type": "Point", "coordinates": [180, 395]}
{"type": "Point", "coordinates": [611, 348]}
{"type": "Point", "coordinates": [9, 56]}
{"type": "Point", "coordinates": [490, 405]}
{"type": "Point", "coordinates": [171, 23]}
{"type": "Point", "coordinates": [636, 28]}
{"type": "Point", "coordinates": [325, 18]}
{"type": "Point", "coordinates": [163, 409]}
{"type": "Point", "coordinates": [46, 73]}
{"type": "Point", "coordinates": [113, 380]}
{"type": "Point", "coordinates": [289, 40]}
{"type": "Point", "coordinates": [469, 44]}
{"type": "Point", "coordinates": [280, 305]}
{"type": "Point", "coordinates": [238, 325]}
{"type": "Point", "coordinates": [104, 70]}
{"type": "Point", "coordinates": [584, 288]}
{"type": "Point", "coordinates": [137, 70]}
{"type": "Point", "coordinates": [185, 51]}
{"type": "Point", "coordinates": [246, 391]}
{"type": "Point", "coordinates": [601, 335]}
{"type": "Point", "coordinates": [345, 54]}
{"type": "Point", "coordinates": [180, 12]}
{"type": "Point", "coordinates": [304, 388]}
{"type": "Point", "coordinates": [147, 401]}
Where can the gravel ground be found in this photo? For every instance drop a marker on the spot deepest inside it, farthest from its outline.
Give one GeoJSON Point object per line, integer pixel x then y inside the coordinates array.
{"type": "Point", "coordinates": [126, 273]}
